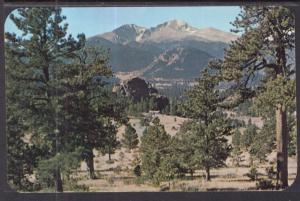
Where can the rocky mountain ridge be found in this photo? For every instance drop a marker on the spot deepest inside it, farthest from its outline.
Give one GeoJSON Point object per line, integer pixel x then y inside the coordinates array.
{"type": "Point", "coordinates": [171, 50]}
{"type": "Point", "coordinates": [173, 30]}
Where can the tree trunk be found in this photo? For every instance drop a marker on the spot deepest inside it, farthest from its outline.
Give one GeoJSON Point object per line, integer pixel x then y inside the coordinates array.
{"type": "Point", "coordinates": [207, 171]}
{"type": "Point", "coordinates": [109, 157]}
{"type": "Point", "coordinates": [281, 146]}
{"type": "Point", "coordinates": [251, 161]}
{"type": "Point", "coordinates": [57, 173]}
{"type": "Point", "coordinates": [192, 173]}
{"type": "Point", "coordinates": [58, 181]}
{"type": "Point", "coordinates": [281, 126]}
{"type": "Point", "coordinates": [90, 165]}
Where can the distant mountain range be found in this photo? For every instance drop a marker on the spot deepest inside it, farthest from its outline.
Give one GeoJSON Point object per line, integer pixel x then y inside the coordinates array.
{"type": "Point", "coordinates": [172, 50]}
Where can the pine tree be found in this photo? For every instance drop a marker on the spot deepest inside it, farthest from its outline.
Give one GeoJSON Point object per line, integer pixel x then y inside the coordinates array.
{"type": "Point", "coordinates": [263, 141]}
{"type": "Point", "coordinates": [184, 151]}
{"type": "Point", "coordinates": [17, 148]}
{"type": "Point", "coordinates": [66, 162]}
{"type": "Point", "coordinates": [110, 140]}
{"type": "Point", "coordinates": [40, 53]}
{"type": "Point", "coordinates": [249, 135]}
{"type": "Point", "coordinates": [21, 157]}
{"type": "Point", "coordinates": [209, 125]}
{"type": "Point", "coordinates": [167, 169]}
{"type": "Point", "coordinates": [90, 102]}
{"type": "Point", "coordinates": [152, 104]}
{"type": "Point", "coordinates": [268, 38]}
{"type": "Point", "coordinates": [130, 136]}
{"type": "Point", "coordinates": [173, 107]}
{"type": "Point", "coordinates": [237, 146]}
{"type": "Point", "coordinates": [154, 147]}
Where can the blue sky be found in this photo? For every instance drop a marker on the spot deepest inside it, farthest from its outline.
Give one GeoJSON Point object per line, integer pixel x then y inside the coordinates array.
{"type": "Point", "coordinates": [93, 21]}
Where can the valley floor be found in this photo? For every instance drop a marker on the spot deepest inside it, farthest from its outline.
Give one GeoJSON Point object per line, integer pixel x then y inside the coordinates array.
{"type": "Point", "coordinates": [117, 175]}
{"type": "Point", "coordinates": [225, 179]}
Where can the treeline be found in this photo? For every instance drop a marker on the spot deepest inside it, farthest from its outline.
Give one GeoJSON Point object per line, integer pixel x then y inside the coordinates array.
{"type": "Point", "coordinates": [136, 108]}
{"type": "Point", "coordinates": [176, 90]}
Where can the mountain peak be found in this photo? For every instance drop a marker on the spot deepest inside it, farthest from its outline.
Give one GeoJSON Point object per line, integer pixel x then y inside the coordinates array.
{"type": "Point", "coordinates": [130, 27]}
{"type": "Point", "coordinates": [125, 34]}
{"type": "Point", "coordinates": [175, 24]}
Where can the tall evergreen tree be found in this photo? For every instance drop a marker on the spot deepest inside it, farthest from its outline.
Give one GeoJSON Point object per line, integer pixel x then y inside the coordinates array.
{"type": "Point", "coordinates": [41, 52]}
{"type": "Point", "coordinates": [184, 151]}
{"type": "Point", "coordinates": [17, 148]}
{"type": "Point", "coordinates": [154, 146]}
{"type": "Point", "coordinates": [111, 141]}
{"type": "Point", "coordinates": [237, 146]}
{"type": "Point", "coordinates": [209, 124]}
{"type": "Point", "coordinates": [130, 136]}
{"type": "Point", "coordinates": [267, 41]}
{"type": "Point", "coordinates": [251, 132]}
{"type": "Point", "coordinates": [91, 102]}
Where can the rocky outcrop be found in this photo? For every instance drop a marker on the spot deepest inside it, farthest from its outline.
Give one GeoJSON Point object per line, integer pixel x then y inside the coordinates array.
{"type": "Point", "coordinates": [139, 89]}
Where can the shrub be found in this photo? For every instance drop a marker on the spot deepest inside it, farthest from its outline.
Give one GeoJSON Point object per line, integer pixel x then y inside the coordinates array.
{"type": "Point", "coordinates": [264, 184]}
{"type": "Point", "coordinates": [137, 171]}
{"type": "Point", "coordinates": [252, 174]}
{"type": "Point", "coordinates": [270, 172]}
{"type": "Point", "coordinates": [145, 122]}
{"type": "Point", "coordinates": [26, 185]}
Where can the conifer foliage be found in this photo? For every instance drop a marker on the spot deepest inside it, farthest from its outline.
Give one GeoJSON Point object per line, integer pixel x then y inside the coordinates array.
{"type": "Point", "coordinates": [154, 147]}
{"type": "Point", "coordinates": [130, 136]}
{"type": "Point", "coordinates": [40, 54]}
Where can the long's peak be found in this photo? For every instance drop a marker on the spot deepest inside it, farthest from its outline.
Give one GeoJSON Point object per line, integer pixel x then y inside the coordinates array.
{"type": "Point", "coordinates": [132, 26]}
{"type": "Point", "coordinates": [175, 24]}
